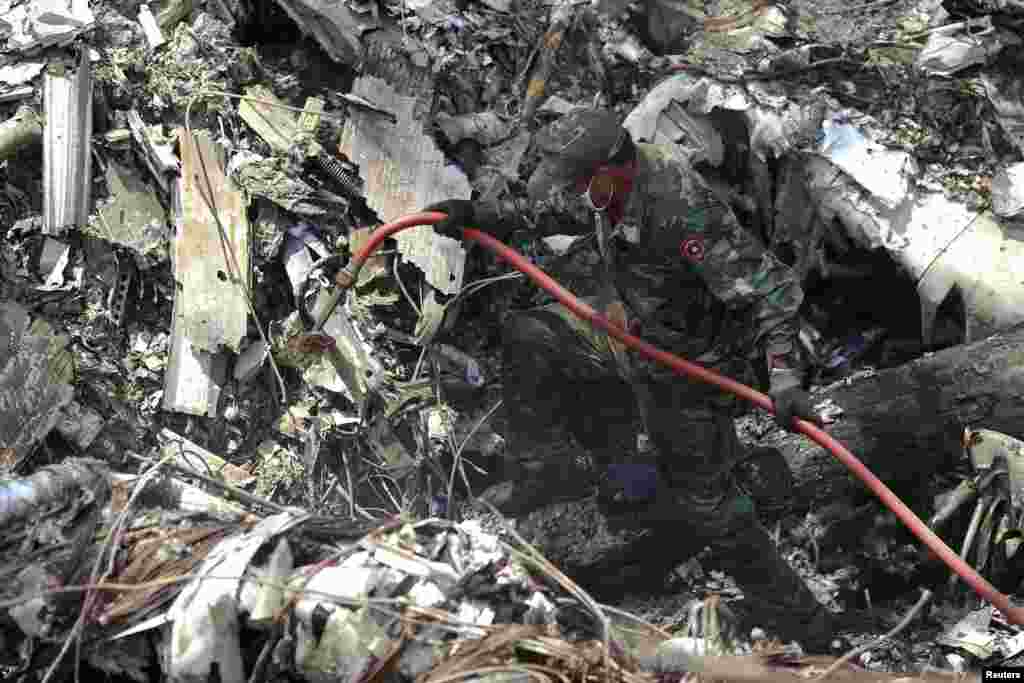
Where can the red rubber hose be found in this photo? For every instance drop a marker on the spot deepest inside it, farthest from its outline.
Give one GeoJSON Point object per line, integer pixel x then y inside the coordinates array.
{"type": "Point", "coordinates": [683, 367]}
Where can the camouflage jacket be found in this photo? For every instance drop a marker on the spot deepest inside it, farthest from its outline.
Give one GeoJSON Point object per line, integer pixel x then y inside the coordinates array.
{"type": "Point", "coordinates": [695, 280]}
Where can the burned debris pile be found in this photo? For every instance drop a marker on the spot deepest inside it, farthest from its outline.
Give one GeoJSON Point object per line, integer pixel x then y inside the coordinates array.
{"type": "Point", "coordinates": [215, 459]}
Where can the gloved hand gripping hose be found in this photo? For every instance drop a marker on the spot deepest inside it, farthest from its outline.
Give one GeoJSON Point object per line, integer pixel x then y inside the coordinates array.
{"type": "Point", "coordinates": [982, 587]}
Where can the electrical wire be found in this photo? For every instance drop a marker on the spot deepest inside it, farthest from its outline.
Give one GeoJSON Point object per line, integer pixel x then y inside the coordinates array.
{"type": "Point", "coordinates": [477, 285]}
{"type": "Point", "coordinates": [267, 103]}
{"type": "Point", "coordinates": [688, 369]}
{"type": "Point", "coordinates": [457, 458]}
{"type": "Point", "coordinates": [405, 291]}
{"type": "Point", "coordinates": [419, 362]}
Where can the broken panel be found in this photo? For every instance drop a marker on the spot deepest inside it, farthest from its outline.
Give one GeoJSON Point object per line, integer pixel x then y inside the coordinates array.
{"type": "Point", "coordinates": [336, 27]}
{"type": "Point", "coordinates": [194, 378]}
{"type": "Point", "coordinates": [159, 156]}
{"type": "Point", "coordinates": [215, 312]}
{"type": "Point", "coordinates": [210, 311]}
{"type": "Point", "coordinates": [134, 216]}
{"type": "Point", "coordinates": [154, 36]}
{"type": "Point", "coordinates": [405, 171]}
{"type": "Point", "coordinates": [276, 126]}
{"type": "Point", "coordinates": [951, 248]}
{"type": "Point", "coordinates": [44, 23]}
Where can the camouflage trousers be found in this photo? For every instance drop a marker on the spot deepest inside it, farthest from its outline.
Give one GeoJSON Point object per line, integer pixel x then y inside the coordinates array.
{"type": "Point", "coordinates": [561, 373]}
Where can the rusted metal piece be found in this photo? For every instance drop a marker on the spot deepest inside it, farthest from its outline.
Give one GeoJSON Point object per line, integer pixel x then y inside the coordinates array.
{"type": "Point", "coordinates": [214, 240]}
{"type": "Point", "coordinates": [210, 310]}
{"type": "Point", "coordinates": [403, 168]}
{"type": "Point", "coordinates": [405, 171]}
{"type": "Point", "coordinates": [345, 278]}
{"type": "Point", "coordinates": [312, 343]}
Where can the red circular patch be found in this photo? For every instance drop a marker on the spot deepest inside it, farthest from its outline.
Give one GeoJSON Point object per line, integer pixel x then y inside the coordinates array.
{"type": "Point", "coordinates": [693, 249]}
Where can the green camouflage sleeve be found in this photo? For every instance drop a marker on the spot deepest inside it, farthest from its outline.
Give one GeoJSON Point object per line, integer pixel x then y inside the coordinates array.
{"type": "Point", "coordinates": [501, 218]}
{"type": "Point", "coordinates": [744, 275]}
{"type": "Point", "coordinates": [556, 215]}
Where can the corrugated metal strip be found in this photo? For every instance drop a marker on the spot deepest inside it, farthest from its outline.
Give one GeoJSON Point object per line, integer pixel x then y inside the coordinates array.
{"type": "Point", "coordinates": [67, 146]}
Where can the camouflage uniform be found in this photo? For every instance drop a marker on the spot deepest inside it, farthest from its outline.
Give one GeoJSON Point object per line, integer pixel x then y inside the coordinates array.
{"type": "Point", "coordinates": [689, 279]}
{"type": "Point", "coordinates": [693, 282]}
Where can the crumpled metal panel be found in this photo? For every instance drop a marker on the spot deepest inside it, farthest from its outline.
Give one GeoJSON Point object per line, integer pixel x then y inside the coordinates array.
{"type": "Point", "coordinates": [67, 146]}
{"type": "Point", "coordinates": [332, 24]}
{"type": "Point", "coordinates": [134, 216]}
{"type": "Point", "coordinates": [204, 619]}
{"type": "Point", "coordinates": [1006, 93]}
{"type": "Point", "coordinates": [405, 171]}
{"type": "Point", "coordinates": [951, 248]}
{"type": "Point", "coordinates": [35, 368]}
{"type": "Point", "coordinates": [39, 24]}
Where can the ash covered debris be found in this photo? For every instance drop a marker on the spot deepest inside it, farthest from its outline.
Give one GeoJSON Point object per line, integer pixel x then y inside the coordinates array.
{"type": "Point", "coordinates": [429, 598]}
{"type": "Point", "coordinates": [182, 181]}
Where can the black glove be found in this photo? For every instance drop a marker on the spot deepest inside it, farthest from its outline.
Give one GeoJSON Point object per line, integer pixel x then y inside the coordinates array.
{"type": "Point", "coordinates": [463, 213]}
{"type": "Point", "coordinates": [792, 402]}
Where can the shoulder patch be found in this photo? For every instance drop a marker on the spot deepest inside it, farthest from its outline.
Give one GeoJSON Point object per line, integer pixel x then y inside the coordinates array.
{"type": "Point", "coordinates": [692, 249]}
